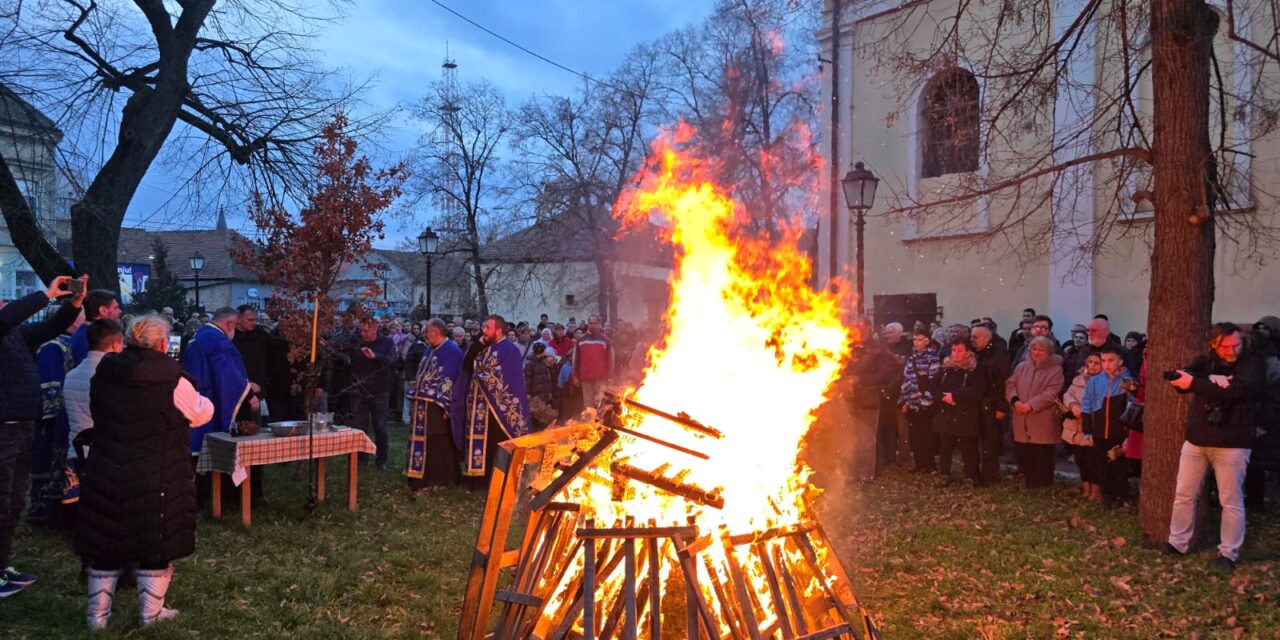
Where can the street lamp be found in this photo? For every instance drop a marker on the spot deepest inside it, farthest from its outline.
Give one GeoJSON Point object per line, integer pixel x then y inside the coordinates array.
{"type": "Point", "coordinates": [859, 187]}
{"type": "Point", "coordinates": [197, 265]}
{"type": "Point", "coordinates": [427, 243]}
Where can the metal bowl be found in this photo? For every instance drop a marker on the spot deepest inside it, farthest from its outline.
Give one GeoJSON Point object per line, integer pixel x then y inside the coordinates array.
{"type": "Point", "coordinates": [288, 428]}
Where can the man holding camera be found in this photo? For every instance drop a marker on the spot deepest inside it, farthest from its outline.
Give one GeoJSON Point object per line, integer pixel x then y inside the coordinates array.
{"type": "Point", "coordinates": [21, 405]}
{"type": "Point", "coordinates": [1226, 386]}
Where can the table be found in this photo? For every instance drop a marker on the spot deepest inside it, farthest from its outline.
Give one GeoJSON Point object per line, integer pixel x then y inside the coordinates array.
{"type": "Point", "coordinates": [223, 453]}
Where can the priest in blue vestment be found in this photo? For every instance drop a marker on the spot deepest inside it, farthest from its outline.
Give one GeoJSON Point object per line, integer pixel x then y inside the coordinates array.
{"type": "Point", "coordinates": [490, 404]}
{"type": "Point", "coordinates": [212, 360]}
{"type": "Point", "coordinates": [433, 459]}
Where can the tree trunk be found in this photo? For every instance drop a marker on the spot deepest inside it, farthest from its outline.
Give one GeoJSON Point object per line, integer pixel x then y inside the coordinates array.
{"type": "Point", "coordinates": [606, 296]}
{"type": "Point", "coordinates": [24, 233]}
{"type": "Point", "coordinates": [1181, 295]}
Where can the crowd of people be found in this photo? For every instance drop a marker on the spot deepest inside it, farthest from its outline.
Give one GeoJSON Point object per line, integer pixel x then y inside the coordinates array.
{"type": "Point", "coordinates": [916, 401]}
{"type": "Point", "coordinates": [105, 414]}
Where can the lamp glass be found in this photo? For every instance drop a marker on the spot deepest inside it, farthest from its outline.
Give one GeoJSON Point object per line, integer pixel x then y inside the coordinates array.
{"type": "Point", "coordinates": [428, 241]}
{"type": "Point", "coordinates": [859, 187]}
{"type": "Point", "coordinates": [197, 262]}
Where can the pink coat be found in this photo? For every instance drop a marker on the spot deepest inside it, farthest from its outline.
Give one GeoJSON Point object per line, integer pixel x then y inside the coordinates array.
{"type": "Point", "coordinates": [1039, 387]}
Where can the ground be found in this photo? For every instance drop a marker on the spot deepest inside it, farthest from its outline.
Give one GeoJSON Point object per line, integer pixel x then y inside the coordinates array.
{"type": "Point", "coordinates": [998, 562]}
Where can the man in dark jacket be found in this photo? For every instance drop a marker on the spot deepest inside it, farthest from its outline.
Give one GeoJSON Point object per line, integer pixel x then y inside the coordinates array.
{"type": "Point", "coordinates": [21, 405]}
{"type": "Point", "coordinates": [372, 359]}
{"type": "Point", "coordinates": [994, 362]}
{"type": "Point", "coordinates": [1226, 388]}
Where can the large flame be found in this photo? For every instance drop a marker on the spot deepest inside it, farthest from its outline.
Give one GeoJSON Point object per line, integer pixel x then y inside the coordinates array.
{"type": "Point", "coordinates": [749, 349]}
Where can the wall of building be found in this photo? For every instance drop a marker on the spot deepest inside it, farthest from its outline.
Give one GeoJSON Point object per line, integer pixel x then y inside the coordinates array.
{"type": "Point", "coordinates": [998, 275]}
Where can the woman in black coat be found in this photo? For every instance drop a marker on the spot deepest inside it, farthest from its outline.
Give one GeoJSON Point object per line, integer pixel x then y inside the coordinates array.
{"type": "Point", "coordinates": [960, 391]}
{"type": "Point", "coordinates": [138, 496]}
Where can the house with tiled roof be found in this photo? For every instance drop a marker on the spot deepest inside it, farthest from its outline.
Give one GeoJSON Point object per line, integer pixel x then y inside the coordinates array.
{"type": "Point", "coordinates": [550, 267]}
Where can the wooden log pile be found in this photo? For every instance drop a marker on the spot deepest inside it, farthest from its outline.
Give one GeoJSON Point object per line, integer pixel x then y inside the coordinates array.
{"type": "Point", "coordinates": [570, 578]}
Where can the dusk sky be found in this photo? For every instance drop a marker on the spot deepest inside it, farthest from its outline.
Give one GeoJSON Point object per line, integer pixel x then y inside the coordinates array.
{"type": "Point", "coordinates": [401, 44]}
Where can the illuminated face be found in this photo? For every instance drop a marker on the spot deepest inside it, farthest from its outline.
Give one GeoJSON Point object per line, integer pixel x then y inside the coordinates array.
{"type": "Point", "coordinates": [368, 331]}
{"type": "Point", "coordinates": [1040, 328]}
{"type": "Point", "coordinates": [1093, 365]}
{"type": "Point", "coordinates": [1038, 353]}
{"type": "Point", "coordinates": [1228, 347]}
{"type": "Point", "coordinates": [959, 352]}
{"type": "Point", "coordinates": [491, 331]}
{"type": "Point", "coordinates": [247, 321]}
{"type": "Point", "coordinates": [981, 339]}
{"type": "Point", "coordinates": [920, 342]}
{"type": "Point", "coordinates": [1099, 331]}
{"type": "Point", "coordinates": [435, 337]}
{"type": "Point", "coordinates": [1111, 363]}
{"type": "Point", "coordinates": [111, 310]}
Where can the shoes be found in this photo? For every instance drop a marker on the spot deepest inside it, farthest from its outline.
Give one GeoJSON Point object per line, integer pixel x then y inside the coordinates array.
{"type": "Point", "coordinates": [13, 575]}
{"type": "Point", "coordinates": [1170, 550]}
{"type": "Point", "coordinates": [1223, 563]}
{"type": "Point", "coordinates": [10, 588]}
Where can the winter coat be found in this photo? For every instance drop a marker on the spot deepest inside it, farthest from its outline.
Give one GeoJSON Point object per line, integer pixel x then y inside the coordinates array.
{"type": "Point", "coordinates": [1072, 430]}
{"type": "Point", "coordinates": [1038, 386]}
{"type": "Point", "coordinates": [138, 498]}
{"type": "Point", "coordinates": [919, 379]}
{"type": "Point", "coordinates": [1266, 443]}
{"type": "Point", "coordinates": [1103, 403]}
{"type": "Point", "coordinates": [967, 385]}
{"type": "Point", "coordinates": [874, 367]}
{"type": "Point", "coordinates": [994, 362]}
{"type": "Point", "coordinates": [1240, 402]}
{"type": "Point", "coordinates": [20, 396]}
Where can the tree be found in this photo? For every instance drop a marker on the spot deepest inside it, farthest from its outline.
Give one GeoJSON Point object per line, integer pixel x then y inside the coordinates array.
{"type": "Point", "coordinates": [302, 256]}
{"type": "Point", "coordinates": [234, 86]}
{"type": "Point", "coordinates": [457, 163]}
{"type": "Point", "coordinates": [163, 289]}
{"type": "Point", "coordinates": [750, 99]}
{"type": "Point", "coordinates": [578, 154]}
{"type": "Point", "coordinates": [1038, 67]}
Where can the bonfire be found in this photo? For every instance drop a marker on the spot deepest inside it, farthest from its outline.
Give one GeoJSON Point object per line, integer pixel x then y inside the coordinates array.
{"type": "Point", "coordinates": [681, 507]}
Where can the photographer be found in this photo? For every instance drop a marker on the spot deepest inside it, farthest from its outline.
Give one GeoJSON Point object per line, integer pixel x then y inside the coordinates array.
{"type": "Point", "coordinates": [1226, 387]}
{"type": "Point", "coordinates": [21, 404]}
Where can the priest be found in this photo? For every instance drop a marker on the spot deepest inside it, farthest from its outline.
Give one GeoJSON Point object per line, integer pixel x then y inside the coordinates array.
{"type": "Point", "coordinates": [433, 460]}
{"type": "Point", "coordinates": [491, 404]}
{"type": "Point", "coordinates": [218, 369]}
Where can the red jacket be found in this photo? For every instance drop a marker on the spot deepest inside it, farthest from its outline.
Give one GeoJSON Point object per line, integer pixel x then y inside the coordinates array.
{"type": "Point", "coordinates": [593, 358]}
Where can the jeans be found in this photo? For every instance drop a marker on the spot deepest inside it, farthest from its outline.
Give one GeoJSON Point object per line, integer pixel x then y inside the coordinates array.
{"type": "Point", "coordinates": [15, 473]}
{"type": "Point", "coordinates": [371, 417]}
{"type": "Point", "coordinates": [1228, 468]}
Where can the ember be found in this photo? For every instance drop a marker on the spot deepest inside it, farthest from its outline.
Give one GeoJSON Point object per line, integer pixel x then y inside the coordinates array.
{"type": "Point", "coordinates": [647, 523]}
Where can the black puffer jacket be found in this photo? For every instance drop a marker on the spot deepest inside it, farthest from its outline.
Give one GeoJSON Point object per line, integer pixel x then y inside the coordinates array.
{"type": "Point", "coordinates": [138, 499]}
{"type": "Point", "coordinates": [20, 397]}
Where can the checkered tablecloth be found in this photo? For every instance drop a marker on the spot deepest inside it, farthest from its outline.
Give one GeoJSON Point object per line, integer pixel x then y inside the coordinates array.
{"type": "Point", "coordinates": [225, 454]}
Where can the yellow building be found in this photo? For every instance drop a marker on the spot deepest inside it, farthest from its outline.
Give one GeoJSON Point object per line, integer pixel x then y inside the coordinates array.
{"type": "Point", "coordinates": [1033, 247]}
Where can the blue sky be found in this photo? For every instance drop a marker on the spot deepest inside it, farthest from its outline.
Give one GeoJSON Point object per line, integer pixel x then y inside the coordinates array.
{"type": "Point", "coordinates": [401, 43]}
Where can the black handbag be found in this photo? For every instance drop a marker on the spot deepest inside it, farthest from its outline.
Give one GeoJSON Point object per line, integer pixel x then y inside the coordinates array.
{"type": "Point", "coordinates": [1132, 415]}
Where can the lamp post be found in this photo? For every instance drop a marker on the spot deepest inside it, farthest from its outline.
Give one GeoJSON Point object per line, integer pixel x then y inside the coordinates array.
{"type": "Point", "coordinates": [197, 265]}
{"type": "Point", "coordinates": [859, 187]}
{"type": "Point", "coordinates": [427, 243]}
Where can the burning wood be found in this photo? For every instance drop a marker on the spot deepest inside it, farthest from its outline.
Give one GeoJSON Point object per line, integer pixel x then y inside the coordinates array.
{"type": "Point", "coordinates": [728, 547]}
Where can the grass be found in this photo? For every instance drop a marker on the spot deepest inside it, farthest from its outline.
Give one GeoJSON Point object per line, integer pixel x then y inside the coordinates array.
{"type": "Point", "coordinates": [999, 562]}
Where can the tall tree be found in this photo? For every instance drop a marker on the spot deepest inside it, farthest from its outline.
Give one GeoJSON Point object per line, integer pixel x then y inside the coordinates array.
{"type": "Point", "coordinates": [302, 256]}
{"type": "Point", "coordinates": [457, 165]}
{"type": "Point", "coordinates": [578, 153]}
{"type": "Point", "coordinates": [220, 86]}
{"type": "Point", "coordinates": [163, 288]}
{"type": "Point", "coordinates": [1054, 131]}
{"type": "Point", "coordinates": [744, 79]}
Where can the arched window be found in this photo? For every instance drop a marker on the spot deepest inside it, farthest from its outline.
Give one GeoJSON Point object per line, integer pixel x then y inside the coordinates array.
{"type": "Point", "coordinates": [949, 110]}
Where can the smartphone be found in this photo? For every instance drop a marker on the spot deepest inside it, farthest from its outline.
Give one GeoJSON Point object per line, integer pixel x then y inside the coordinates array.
{"type": "Point", "coordinates": [75, 286]}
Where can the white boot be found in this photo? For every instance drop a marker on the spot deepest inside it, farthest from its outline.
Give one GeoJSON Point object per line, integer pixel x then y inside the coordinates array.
{"type": "Point", "coordinates": [152, 585]}
{"type": "Point", "coordinates": [102, 590]}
